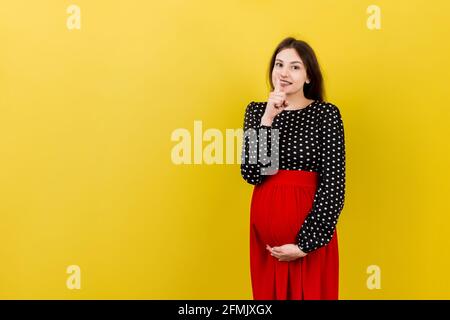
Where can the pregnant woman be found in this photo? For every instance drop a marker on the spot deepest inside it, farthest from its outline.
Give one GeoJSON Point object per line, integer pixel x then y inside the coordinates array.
{"type": "Point", "coordinates": [294, 210]}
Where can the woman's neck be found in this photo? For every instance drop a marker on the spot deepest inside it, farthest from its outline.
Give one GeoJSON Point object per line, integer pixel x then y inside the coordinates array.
{"type": "Point", "coordinates": [297, 101]}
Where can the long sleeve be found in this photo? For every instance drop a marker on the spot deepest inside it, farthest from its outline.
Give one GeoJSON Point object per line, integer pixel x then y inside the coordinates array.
{"type": "Point", "coordinates": [256, 147]}
{"type": "Point", "coordinates": [318, 227]}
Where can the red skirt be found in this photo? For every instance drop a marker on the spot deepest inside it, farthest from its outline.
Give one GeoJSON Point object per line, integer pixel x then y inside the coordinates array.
{"type": "Point", "coordinates": [279, 206]}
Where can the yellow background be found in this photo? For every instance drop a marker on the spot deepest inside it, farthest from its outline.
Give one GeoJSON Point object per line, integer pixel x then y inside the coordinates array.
{"type": "Point", "coordinates": [86, 176]}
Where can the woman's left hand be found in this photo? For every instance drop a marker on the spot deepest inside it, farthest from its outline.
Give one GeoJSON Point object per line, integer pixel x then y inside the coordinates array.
{"type": "Point", "coordinates": [286, 252]}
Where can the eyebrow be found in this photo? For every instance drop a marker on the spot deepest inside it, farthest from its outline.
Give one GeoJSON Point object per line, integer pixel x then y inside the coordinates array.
{"type": "Point", "coordinates": [291, 61]}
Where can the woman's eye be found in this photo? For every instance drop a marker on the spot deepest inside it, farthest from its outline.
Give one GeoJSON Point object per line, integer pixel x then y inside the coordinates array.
{"type": "Point", "coordinates": [278, 64]}
{"type": "Point", "coordinates": [296, 67]}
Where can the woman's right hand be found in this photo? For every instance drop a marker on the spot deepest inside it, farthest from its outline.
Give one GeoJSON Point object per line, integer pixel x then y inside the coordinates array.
{"type": "Point", "coordinates": [275, 104]}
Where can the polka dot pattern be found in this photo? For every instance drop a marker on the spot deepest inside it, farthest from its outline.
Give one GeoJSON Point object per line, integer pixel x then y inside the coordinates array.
{"type": "Point", "coordinates": [310, 139]}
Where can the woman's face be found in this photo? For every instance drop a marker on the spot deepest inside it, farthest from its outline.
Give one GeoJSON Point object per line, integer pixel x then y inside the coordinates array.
{"type": "Point", "coordinates": [289, 67]}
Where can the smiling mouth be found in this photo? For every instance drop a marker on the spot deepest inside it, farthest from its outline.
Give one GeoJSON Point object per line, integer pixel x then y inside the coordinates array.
{"type": "Point", "coordinates": [285, 82]}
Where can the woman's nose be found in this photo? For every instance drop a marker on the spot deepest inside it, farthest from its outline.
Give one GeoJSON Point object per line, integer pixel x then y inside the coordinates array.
{"type": "Point", "coordinates": [283, 72]}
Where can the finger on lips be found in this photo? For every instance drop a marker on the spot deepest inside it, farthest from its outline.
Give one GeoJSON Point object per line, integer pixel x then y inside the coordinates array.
{"type": "Point", "coordinates": [278, 87]}
{"type": "Point", "coordinates": [279, 92]}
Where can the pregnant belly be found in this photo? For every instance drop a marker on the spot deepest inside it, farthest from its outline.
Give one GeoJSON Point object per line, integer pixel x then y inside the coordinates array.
{"type": "Point", "coordinates": [277, 215]}
{"type": "Point", "coordinates": [276, 228]}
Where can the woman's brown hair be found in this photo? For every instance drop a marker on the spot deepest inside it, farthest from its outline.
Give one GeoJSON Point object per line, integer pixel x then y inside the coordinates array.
{"type": "Point", "coordinates": [315, 89]}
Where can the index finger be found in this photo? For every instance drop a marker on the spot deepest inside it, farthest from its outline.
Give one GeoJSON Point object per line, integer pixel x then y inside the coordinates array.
{"type": "Point", "coordinates": [278, 87]}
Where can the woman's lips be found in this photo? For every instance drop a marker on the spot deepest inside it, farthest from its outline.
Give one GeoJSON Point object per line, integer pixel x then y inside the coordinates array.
{"type": "Point", "coordinates": [285, 83]}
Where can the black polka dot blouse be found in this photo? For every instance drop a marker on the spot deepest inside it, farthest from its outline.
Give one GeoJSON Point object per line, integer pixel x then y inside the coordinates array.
{"type": "Point", "coordinates": [310, 139]}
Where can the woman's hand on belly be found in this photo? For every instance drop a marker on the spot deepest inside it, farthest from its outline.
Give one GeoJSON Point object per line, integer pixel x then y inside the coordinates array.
{"type": "Point", "coordinates": [286, 252]}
